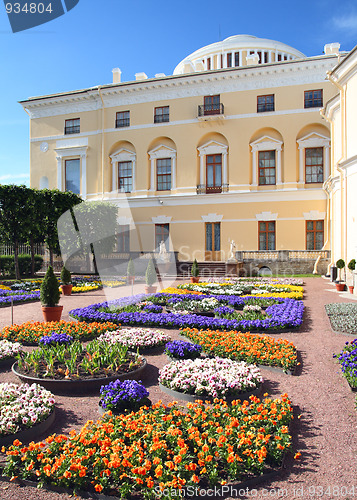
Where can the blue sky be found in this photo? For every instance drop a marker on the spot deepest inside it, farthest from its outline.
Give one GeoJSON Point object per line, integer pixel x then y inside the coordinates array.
{"type": "Point", "coordinates": [79, 49]}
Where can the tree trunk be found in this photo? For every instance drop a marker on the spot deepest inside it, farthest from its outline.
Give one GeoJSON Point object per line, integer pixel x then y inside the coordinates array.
{"type": "Point", "coordinates": [94, 259]}
{"type": "Point", "coordinates": [51, 257]}
{"type": "Point", "coordinates": [32, 246]}
{"type": "Point", "coordinates": [16, 258]}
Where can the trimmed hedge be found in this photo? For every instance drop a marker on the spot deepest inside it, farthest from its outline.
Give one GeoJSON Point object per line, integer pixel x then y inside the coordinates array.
{"type": "Point", "coordinates": [7, 264]}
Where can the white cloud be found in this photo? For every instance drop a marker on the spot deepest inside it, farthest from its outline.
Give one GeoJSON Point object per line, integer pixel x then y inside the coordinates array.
{"type": "Point", "coordinates": [347, 22]}
{"type": "Point", "coordinates": [8, 177]}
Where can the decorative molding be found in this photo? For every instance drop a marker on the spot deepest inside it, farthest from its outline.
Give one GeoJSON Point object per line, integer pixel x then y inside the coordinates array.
{"type": "Point", "coordinates": [124, 221]}
{"type": "Point", "coordinates": [162, 151]}
{"type": "Point", "coordinates": [76, 142]}
{"type": "Point", "coordinates": [313, 140]}
{"type": "Point", "coordinates": [161, 219]}
{"type": "Point", "coordinates": [349, 166]}
{"type": "Point", "coordinates": [266, 216]}
{"type": "Point", "coordinates": [123, 155]}
{"type": "Point", "coordinates": [314, 215]}
{"type": "Point", "coordinates": [212, 147]}
{"type": "Point", "coordinates": [65, 152]}
{"type": "Point", "coordinates": [212, 218]}
{"type": "Point", "coordinates": [265, 143]}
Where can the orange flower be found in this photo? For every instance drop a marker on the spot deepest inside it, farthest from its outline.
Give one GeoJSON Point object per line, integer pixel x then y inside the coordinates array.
{"type": "Point", "coordinates": [297, 455]}
{"type": "Point", "coordinates": [195, 479]}
{"type": "Point", "coordinates": [98, 488]}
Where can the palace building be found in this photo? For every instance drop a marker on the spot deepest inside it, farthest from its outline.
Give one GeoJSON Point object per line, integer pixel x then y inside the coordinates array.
{"type": "Point", "coordinates": [232, 146]}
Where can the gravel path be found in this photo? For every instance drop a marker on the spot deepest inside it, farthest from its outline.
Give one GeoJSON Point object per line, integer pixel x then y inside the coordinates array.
{"type": "Point", "coordinates": [325, 425]}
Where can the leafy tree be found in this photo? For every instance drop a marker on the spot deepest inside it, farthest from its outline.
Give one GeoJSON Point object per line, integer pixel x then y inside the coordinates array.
{"type": "Point", "coordinates": [15, 218]}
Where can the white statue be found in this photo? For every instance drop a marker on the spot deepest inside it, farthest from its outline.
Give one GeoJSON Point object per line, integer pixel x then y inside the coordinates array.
{"type": "Point", "coordinates": [231, 250]}
{"type": "Point", "coordinates": [163, 255]}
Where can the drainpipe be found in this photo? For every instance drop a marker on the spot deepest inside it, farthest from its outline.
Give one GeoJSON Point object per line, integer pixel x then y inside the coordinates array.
{"type": "Point", "coordinates": [343, 177]}
{"type": "Point", "coordinates": [103, 151]}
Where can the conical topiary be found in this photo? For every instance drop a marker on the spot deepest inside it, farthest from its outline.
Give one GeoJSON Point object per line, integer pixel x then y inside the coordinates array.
{"type": "Point", "coordinates": [50, 294]}
{"type": "Point", "coordinates": [131, 268]}
{"type": "Point", "coordinates": [150, 275]}
{"type": "Point", "coordinates": [65, 276]}
{"type": "Point", "coordinates": [195, 270]}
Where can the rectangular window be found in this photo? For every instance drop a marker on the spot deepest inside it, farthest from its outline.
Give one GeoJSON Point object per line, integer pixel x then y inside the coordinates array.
{"type": "Point", "coordinates": [265, 103]}
{"type": "Point", "coordinates": [163, 174]}
{"type": "Point", "coordinates": [122, 119]}
{"type": "Point", "coordinates": [313, 99]}
{"type": "Point", "coordinates": [229, 60]}
{"type": "Point", "coordinates": [314, 165]}
{"type": "Point", "coordinates": [125, 176]}
{"type": "Point", "coordinates": [162, 114]}
{"type": "Point", "coordinates": [260, 57]}
{"type": "Point", "coordinates": [214, 173]}
{"type": "Point", "coordinates": [236, 59]}
{"type": "Point", "coordinates": [72, 126]}
{"type": "Point", "coordinates": [314, 234]}
{"type": "Point", "coordinates": [72, 175]}
{"type": "Point", "coordinates": [267, 235]}
{"type": "Point", "coordinates": [123, 239]}
{"type": "Point", "coordinates": [162, 233]}
{"type": "Point", "coordinates": [266, 57]}
{"type": "Point", "coordinates": [266, 163]}
{"type": "Point", "coordinates": [209, 63]}
{"type": "Point", "coordinates": [221, 60]}
{"type": "Point", "coordinates": [279, 57]}
{"type": "Point", "coordinates": [212, 105]}
{"type": "Point", "coordinates": [213, 236]}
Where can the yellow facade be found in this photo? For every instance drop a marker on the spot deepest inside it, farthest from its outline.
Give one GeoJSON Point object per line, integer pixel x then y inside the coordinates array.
{"type": "Point", "coordinates": [247, 192]}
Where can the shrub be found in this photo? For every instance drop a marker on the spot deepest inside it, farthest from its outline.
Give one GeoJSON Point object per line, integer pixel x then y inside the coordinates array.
{"type": "Point", "coordinates": [352, 265]}
{"type": "Point", "coordinates": [340, 264]}
{"type": "Point", "coordinates": [150, 275]}
{"type": "Point", "coordinates": [131, 268]}
{"type": "Point", "coordinates": [7, 264]}
{"type": "Point", "coordinates": [50, 294]}
{"type": "Point", "coordinates": [195, 271]}
{"type": "Point", "coordinates": [65, 276]}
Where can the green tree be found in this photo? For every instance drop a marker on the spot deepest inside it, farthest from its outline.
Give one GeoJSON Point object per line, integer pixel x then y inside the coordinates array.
{"type": "Point", "coordinates": [15, 218]}
{"type": "Point", "coordinates": [150, 275]}
{"type": "Point", "coordinates": [49, 292]}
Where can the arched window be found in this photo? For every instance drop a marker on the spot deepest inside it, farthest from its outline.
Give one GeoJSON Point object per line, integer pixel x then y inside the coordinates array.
{"type": "Point", "coordinates": [213, 167]}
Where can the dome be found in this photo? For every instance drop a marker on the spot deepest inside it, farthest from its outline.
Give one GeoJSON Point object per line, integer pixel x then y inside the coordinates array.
{"type": "Point", "coordinates": [236, 51]}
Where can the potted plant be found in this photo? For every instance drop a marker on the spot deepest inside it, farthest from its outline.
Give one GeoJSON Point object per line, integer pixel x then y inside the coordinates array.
{"type": "Point", "coordinates": [150, 278]}
{"type": "Point", "coordinates": [351, 266]}
{"type": "Point", "coordinates": [131, 272]}
{"type": "Point", "coordinates": [340, 285]}
{"type": "Point", "coordinates": [66, 281]}
{"type": "Point", "coordinates": [195, 271]}
{"type": "Point", "coordinates": [50, 296]}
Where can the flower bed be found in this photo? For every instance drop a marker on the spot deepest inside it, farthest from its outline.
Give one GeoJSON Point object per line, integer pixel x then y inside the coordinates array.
{"type": "Point", "coordinates": [30, 333]}
{"type": "Point", "coordinates": [162, 447]}
{"type": "Point", "coordinates": [9, 349]}
{"type": "Point", "coordinates": [210, 377]}
{"type": "Point", "coordinates": [348, 361]}
{"type": "Point", "coordinates": [17, 297]}
{"type": "Point", "coordinates": [23, 406]}
{"type": "Point", "coordinates": [179, 349]}
{"type": "Point", "coordinates": [126, 395]}
{"type": "Point", "coordinates": [256, 349]}
{"type": "Point", "coordinates": [287, 314]}
{"type": "Point", "coordinates": [343, 317]}
{"type": "Point", "coordinates": [245, 288]}
{"type": "Point", "coordinates": [136, 338]}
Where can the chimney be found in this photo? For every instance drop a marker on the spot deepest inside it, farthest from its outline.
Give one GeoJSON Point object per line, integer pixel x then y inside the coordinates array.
{"type": "Point", "coordinates": [160, 75]}
{"type": "Point", "coordinates": [332, 48]}
{"type": "Point", "coordinates": [140, 76]}
{"type": "Point", "coordinates": [116, 75]}
{"type": "Point", "coordinates": [252, 59]}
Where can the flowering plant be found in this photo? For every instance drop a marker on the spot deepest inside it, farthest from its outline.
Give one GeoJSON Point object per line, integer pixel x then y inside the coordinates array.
{"type": "Point", "coordinates": [126, 395]}
{"type": "Point", "coordinates": [23, 406]}
{"type": "Point", "coordinates": [179, 349]}
{"type": "Point", "coordinates": [206, 304]}
{"type": "Point", "coordinates": [210, 377]}
{"type": "Point", "coordinates": [252, 308]}
{"type": "Point", "coordinates": [9, 349]}
{"type": "Point", "coordinates": [56, 338]}
{"type": "Point", "coordinates": [135, 338]}
{"type": "Point", "coordinates": [348, 361]}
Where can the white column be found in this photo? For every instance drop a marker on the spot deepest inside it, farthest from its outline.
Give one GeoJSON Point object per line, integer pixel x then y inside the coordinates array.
{"type": "Point", "coordinates": [202, 168]}
{"type": "Point", "coordinates": [84, 176]}
{"type": "Point", "coordinates": [225, 176]}
{"type": "Point", "coordinates": [152, 174]}
{"type": "Point", "coordinates": [173, 172]}
{"type": "Point", "coordinates": [269, 56]}
{"type": "Point", "coordinates": [133, 162]}
{"type": "Point", "coordinates": [278, 165]}
{"type": "Point", "coordinates": [254, 166]}
{"type": "Point", "coordinates": [114, 175]}
{"type": "Point", "coordinates": [301, 164]}
{"type": "Point", "coordinates": [59, 172]}
{"type": "Point", "coordinates": [326, 161]}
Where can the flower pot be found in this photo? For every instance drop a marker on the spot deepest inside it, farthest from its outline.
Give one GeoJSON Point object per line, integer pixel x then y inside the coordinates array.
{"type": "Point", "coordinates": [243, 396]}
{"type": "Point", "coordinates": [66, 289]}
{"type": "Point", "coordinates": [340, 287]}
{"type": "Point", "coordinates": [52, 313]}
{"type": "Point", "coordinates": [150, 289]}
{"type": "Point", "coordinates": [131, 280]}
{"type": "Point", "coordinates": [351, 288]}
{"type": "Point", "coordinates": [195, 279]}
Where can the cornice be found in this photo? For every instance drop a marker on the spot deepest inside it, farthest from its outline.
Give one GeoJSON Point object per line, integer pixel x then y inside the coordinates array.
{"type": "Point", "coordinates": [274, 75]}
{"type": "Point", "coordinates": [346, 68]}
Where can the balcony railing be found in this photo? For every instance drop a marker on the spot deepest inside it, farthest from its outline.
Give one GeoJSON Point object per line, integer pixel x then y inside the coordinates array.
{"type": "Point", "coordinates": [210, 109]}
{"type": "Point", "coordinates": [282, 255]}
{"type": "Point", "coordinates": [204, 189]}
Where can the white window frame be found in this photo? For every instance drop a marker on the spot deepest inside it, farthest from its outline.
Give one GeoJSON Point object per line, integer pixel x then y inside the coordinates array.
{"type": "Point", "coordinates": [160, 152]}
{"type": "Point", "coordinates": [72, 153]}
{"type": "Point", "coordinates": [314, 140]}
{"type": "Point", "coordinates": [122, 155]}
{"type": "Point", "coordinates": [266, 143]}
{"type": "Point", "coordinates": [213, 148]}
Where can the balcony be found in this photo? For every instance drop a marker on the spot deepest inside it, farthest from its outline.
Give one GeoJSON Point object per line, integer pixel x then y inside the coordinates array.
{"type": "Point", "coordinates": [209, 111]}
{"type": "Point", "coordinates": [204, 189]}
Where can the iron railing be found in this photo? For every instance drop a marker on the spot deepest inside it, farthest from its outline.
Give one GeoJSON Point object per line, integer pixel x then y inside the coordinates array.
{"type": "Point", "coordinates": [210, 109]}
